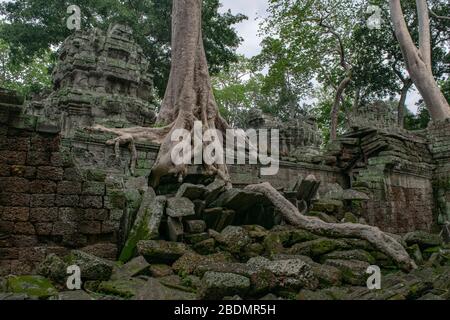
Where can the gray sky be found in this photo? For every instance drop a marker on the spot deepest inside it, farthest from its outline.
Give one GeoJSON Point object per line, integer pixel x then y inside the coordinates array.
{"type": "Point", "coordinates": [248, 29]}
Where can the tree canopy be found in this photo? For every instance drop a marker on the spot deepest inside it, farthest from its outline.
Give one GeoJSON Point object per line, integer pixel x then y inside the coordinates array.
{"type": "Point", "coordinates": [31, 27]}
{"type": "Point", "coordinates": [316, 54]}
{"type": "Point", "coordinates": [25, 78]}
{"type": "Point", "coordinates": [326, 50]}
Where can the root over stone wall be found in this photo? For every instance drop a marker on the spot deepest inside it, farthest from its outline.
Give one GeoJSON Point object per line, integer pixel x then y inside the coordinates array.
{"type": "Point", "coordinates": [57, 194]}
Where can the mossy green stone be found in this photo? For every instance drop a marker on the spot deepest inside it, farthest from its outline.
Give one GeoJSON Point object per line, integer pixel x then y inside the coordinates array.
{"type": "Point", "coordinates": [117, 199]}
{"type": "Point", "coordinates": [300, 235]}
{"type": "Point", "coordinates": [139, 232]}
{"type": "Point", "coordinates": [274, 242]}
{"type": "Point", "coordinates": [350, 218]}
{"type": "Point", "coordinates": [133, 198]}
{"type": "Point", "coordinates": [146, 226]}
{"type": "Point", "coordinates": [318, 247]}
{"type": "Point", "coordinates": [34, 286]}
{"type": "Point", "coordinates": [96, 175]}
{"type": "Point", "coordinates": [124, 288]}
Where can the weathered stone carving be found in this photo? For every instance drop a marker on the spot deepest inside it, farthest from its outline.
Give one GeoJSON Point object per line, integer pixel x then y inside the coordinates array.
{"type": "Point", "coordinates": [377, 115]}
{"type": "Point", "coordinates": [299, 137]}
{"type": "Point", "coordinates": [101, 77]}
{"type": "Point", "coordinates": [11, 100]}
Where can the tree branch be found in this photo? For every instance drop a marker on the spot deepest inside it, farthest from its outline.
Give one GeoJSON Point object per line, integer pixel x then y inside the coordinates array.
{"type": "Point", "coordinates": [341, 50]}
{"type": "Point", "coordinates": [433, 14]}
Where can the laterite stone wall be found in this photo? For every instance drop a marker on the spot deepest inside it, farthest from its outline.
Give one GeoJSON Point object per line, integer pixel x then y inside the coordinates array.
{"type": "Point", "coordinates": [46, 205]}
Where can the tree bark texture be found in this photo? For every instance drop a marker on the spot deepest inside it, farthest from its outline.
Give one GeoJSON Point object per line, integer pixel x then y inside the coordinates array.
{"type": "Point", "coordinates": [418, 60]}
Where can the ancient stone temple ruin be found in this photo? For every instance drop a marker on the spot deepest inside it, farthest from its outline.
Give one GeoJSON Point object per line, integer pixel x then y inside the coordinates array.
{"type": "Point", "coordinates": [65, 193]}
{"type": "Point", "coordinates": [299, 137]}
{"type": "Point", "coordinates": [101, 78]}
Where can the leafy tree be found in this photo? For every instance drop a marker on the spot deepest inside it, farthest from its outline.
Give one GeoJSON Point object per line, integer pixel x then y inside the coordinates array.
{"type": "Point", "coordinates": [281, 88]}
{"type": "Point", "coordinates": [383, 71]}
{"type": "Point", "coordinates": [242, 88]}
{"type": "Point", "coordinates": [310, 42]}
{"type": "Point", "coordinates": [417, 121]}
{"type": "Point", "coordinates": [33, 26]}
{"type": "Point", "coordinates": [328, 44]}
{"type": "Point", "coordinates": [321, 110]}
{"type": "Point", "coordinates": [238, 90]}
{"type": "Point", "coordinates": [26, 78]}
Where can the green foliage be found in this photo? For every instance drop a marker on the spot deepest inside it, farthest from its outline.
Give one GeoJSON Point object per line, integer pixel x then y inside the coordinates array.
{"type": "Point", "coordinates": [31, 27]}
{"type": "Point", "coordinates": [379, 68]}
{"type": "Point", "coordinates": [417, 121]}
{"type": "Point", "coordinates": [445, 86]}
{"type": "Point", "coordinates": [321, 110]}
{"type": "Point", "coordinates": [238, 90]}
{"type": "Point", "coordinates": [282, 85]}
{"type": "Point", "coordinates": [25, 78]}
{"type": "Point", "coordinates": [234, 91]}
{"type": "Point", "coordinates": [241, 88]}
{"type": "Point", "coordinates": [302, 46]}
{"type": "Point", "coordinates": [302, 52]}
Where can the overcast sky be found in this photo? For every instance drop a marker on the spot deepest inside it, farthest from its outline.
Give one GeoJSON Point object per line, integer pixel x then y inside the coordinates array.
{"type": "Point", "coordinates": [248, 29]}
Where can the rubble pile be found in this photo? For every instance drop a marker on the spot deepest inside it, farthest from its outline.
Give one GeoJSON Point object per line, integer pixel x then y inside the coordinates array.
{"type": "Point", "coordinates": [209, 242]}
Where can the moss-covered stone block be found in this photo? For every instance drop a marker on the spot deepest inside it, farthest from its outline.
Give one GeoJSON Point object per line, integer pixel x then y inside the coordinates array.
{"type": "Point", "coordinates": [25, 122]}
{"type": "Point", "coordinates": [162, 251]}
{"type": "Point", "coordinates": [356, 254]}
{"type": "Point", "coordinates": [318, 247]}
{"type": "Point", "coordinates": [123, 288]}
{"type": "Point", "coordinates": [328, 206]}
{"type": "Point", "coordinates": [33, 286]}
{"type": "Point", "coordinates": [146, 225]}
{"type": "Point", "coordinates": [92, 268]}
{"type": "Point", "coordinates": [273, 243]}
{"type": "Point", "coordinates": [96, 175]}
{"type": "Point", "coordinates": [143, 164]}
{"type": "Point", "coordinates": [117, 199]}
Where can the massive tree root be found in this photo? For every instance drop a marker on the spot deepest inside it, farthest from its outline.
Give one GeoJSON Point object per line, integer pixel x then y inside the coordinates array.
{"type": "Point", "coordinates": [375, 236]}
{"type": "Point", "coordinates": [189, 98]}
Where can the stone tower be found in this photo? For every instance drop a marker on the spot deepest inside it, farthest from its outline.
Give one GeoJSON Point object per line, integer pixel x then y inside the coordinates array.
{"type": "Point", "coordinates": [100, 78]}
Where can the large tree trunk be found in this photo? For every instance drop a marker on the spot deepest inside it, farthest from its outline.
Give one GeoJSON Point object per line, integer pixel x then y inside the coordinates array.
{"type": "Point", "coordinates": [418, 61]}
{"type": "Point", "coordinates": [402, 103]}
{"type": "Point", "coordinates": [336, 106]}
{"type": "Point", "coordinates": [424, 32]}
{"type": "Point", "coordinates": [189, 95]}
{"type": "Point", "coordinates": [189, 98]}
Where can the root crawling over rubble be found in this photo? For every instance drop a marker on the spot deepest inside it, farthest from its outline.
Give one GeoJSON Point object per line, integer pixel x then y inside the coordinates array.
{"type": "Point", "coordinates": [375, 236]}
{"type": "Point", "coordinates": [189, 98]}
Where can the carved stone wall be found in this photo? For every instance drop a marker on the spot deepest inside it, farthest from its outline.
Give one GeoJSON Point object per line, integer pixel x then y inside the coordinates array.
{"type": "Point", "coordinates": [300, 138]}
{"type": "Point", "coordinates": [101, 77]}
{"type": "Point", "coordinates": [439, 134]}
{"type": "Point", "coordinates": [396, 170]}
{"type": "Point", "coordinates": [378, 115]}
{"type": "Point", "coordinates": [47, 205]}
